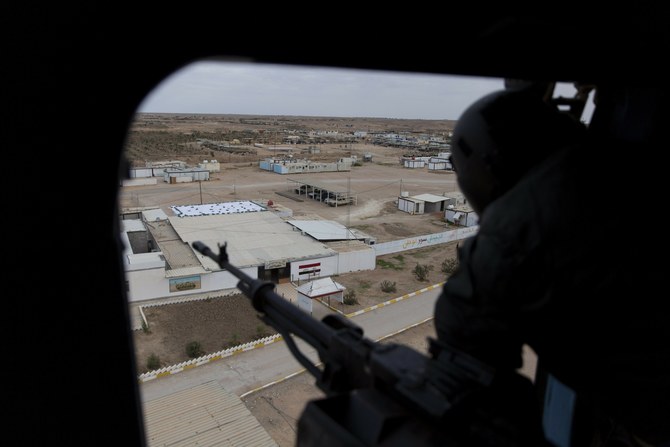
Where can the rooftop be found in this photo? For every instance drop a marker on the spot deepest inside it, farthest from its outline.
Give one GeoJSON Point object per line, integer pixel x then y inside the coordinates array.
{"type": "Point", "coordinates": [208, 209]}
{"type": "Point", "coordinates": [252, 238]}
{"type": "Point", "coordinates": [324, 230]}
{"type": "Point", "coordinates": [320, 287]}
{"type": "Point", "coordinates": [203, 415]}
{"type": "Point", "coordinates": [432, 198]}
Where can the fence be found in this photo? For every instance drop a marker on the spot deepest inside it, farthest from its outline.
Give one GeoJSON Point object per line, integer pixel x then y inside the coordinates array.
{"type": "Point", "coordinates": [165, 371]}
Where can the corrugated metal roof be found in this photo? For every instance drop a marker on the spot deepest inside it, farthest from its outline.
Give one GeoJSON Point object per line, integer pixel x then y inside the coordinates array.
{"type": "Point", "coordinates": [252, 238]}
{"type": "Point", "coordinates": [323, 230]}
{"type": "Point", "coordinates": [432, 198]}
{"type": "Point", "coordinates": [177, 254]}
{"type": "Point", "coordinates": [325, 186]}
{"type": "Point", "coordinates": [205, 415]}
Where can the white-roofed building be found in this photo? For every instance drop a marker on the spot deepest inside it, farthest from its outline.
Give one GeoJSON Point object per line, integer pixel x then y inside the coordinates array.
{"type": "Point", "coordinates": [323, 289]}
{"type": "Point", "coordinates": [424, 203]}
{"type": "Point", "coordinates": [253, 239]}
{"type": "Point", "coordinates": [161, 262]}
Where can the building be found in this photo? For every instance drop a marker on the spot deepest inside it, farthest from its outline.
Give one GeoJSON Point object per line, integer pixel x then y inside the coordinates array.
{"type": "Point", "coordinates": [323, 289]}
{"type": "Point", "coordinates": [301, 166]}
{"type": "Point", "coordinates": [210, 165]}
{"type": "Point", "coordinates": [424, 203]}
{"type": "Point", "coordinates": [160, 261]}
{"type": "Point", "coordinates": [461, 215]}
{"type": "Point", "coordinates": [413, 163]}
{"type": "Point", "coordinates": [185, 175]}
{"type": "Point", "coordinates": [441, 162]}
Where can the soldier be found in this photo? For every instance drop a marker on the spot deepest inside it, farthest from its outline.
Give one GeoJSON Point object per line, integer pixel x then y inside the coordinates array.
{"type": "Point", "coordinates": [545, 269]}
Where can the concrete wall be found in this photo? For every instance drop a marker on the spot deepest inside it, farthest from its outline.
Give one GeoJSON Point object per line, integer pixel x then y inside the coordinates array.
{"type": "Point", "coordinates": [412, 243]}
{"type": "Point", "coordinates": [152, 283]}
{"type": "Point", "coordinates": [354, 261]}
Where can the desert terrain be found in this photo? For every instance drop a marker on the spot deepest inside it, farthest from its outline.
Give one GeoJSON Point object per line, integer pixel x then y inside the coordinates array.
{"type": "Point", "coordinates": [221, 322]}
{"type": "Point", "coordinates": [376, 185]}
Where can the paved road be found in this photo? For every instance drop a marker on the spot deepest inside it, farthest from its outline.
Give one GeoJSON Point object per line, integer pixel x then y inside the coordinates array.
{"type": "Point", "coordinates": [256, 368]}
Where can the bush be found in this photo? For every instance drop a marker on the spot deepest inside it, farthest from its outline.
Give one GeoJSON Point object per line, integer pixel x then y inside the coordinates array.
{"type": "Point", "coordinates": [350, 297]}
{"type": "Point", "coordinates": [449, 266]}
{"type": "Point", "coordinates": [153, 362]}
{"type": "Point", "coordinates": [388, 286]}
{"type": "Point", "coordinates": [194, 349]}
{"type": "Point", "coordinates": [421, 271]}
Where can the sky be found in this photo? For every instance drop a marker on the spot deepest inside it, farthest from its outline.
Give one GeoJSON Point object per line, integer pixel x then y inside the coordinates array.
{"type": "Point", "coordinates": [266, 89]}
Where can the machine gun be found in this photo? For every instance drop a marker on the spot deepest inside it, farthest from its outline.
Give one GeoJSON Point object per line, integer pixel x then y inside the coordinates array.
{"type": "Point", "coordinates": [377, 394]}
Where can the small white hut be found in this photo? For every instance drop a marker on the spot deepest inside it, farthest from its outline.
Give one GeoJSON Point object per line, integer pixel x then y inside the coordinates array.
{"type": "Point", "coordinates": [322, 288]}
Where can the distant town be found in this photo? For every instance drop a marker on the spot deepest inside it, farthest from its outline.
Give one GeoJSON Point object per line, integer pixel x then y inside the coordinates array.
{"type": "Point", "coordinates": [160, 136]}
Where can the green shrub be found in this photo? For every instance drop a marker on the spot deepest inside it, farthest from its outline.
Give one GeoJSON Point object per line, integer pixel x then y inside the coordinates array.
{"type": "Point", "coordinates": [153, 362]}
{"type": "Point", "coordinates": [421, 271]}
{"type": "Point", "coordinates": [449, 265]}
{"type": "Point", "coordinates": [350, 297]}
{"type": "Point", "coordinates": [194, 349]}
{"type": "Point", "coordinates": [388, 286]}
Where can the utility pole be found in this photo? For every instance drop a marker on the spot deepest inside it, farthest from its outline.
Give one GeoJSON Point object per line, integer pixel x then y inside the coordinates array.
{"type": "Point", "coordinates": [349, 203]}
{"type": "Point", "coordinates": [200, 185]}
